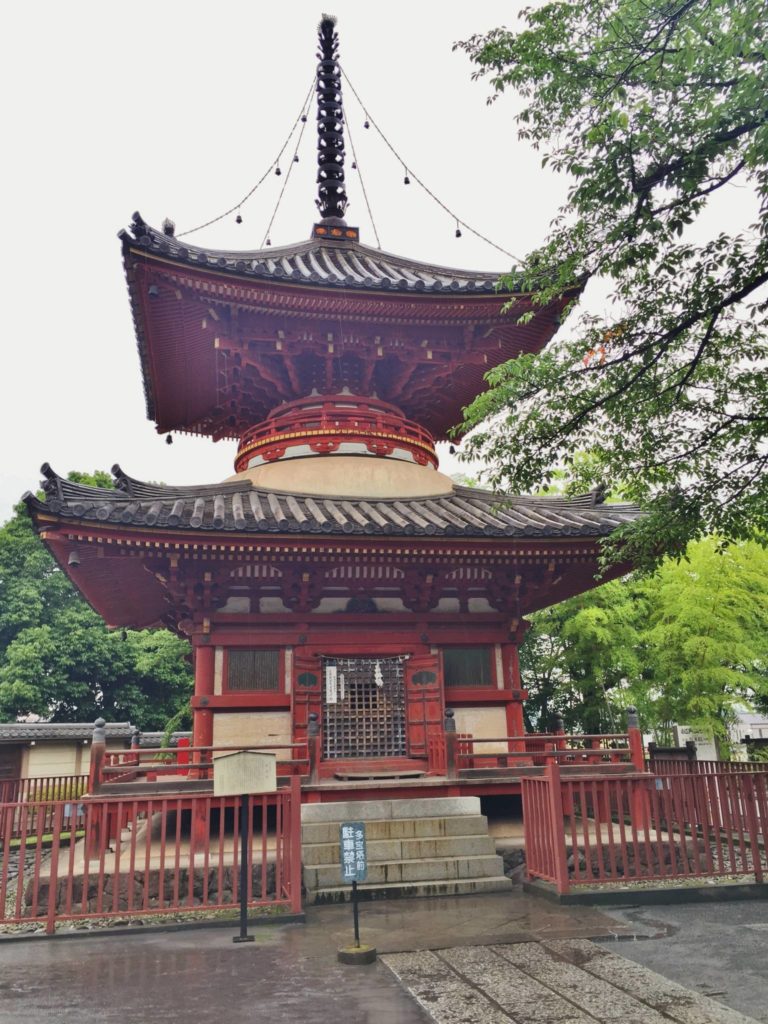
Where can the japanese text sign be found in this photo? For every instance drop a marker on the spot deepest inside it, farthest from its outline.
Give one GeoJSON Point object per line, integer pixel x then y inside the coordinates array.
{"type": "Point", "coordinates": [354, 864]}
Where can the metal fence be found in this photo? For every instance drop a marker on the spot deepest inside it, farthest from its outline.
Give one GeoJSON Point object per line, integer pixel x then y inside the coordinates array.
{"type": "Point", "coordinates": [147, 856]}
{"type": "Point", "coordinates": [593, 831]}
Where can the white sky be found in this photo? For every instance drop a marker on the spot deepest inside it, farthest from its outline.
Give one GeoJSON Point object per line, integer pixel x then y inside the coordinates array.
{"type": "Point", "coordinates": [176, 108]}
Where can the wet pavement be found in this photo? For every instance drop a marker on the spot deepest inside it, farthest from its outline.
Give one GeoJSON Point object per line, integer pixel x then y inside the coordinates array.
{"type": "Point", "coordinates": [290, 973]}
{"type": "Point", "coordinates": [719, 949]}
{"type": "Point", "coordinates": [566, 981]}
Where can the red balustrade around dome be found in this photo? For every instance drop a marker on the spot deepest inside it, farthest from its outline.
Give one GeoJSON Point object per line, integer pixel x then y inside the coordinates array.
{"type": "Point", "coordinates": [336, 424]}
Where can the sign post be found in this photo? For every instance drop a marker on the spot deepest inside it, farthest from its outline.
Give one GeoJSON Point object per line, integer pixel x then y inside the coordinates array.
{"type": "Point", "coordinates": [242, 774]}
{"type": "Point", "coordinates": [353, 856]}
{"type": "Point", "coordinates": [245, 805]}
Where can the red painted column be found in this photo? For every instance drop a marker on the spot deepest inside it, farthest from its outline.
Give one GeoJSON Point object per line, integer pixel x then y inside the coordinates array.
{"type": "Point", "coordinates": [202, 735]}
{"type": "Point", "coordinates": [202, 717]}
{"type": "Point", "coordinates": [515, 720]}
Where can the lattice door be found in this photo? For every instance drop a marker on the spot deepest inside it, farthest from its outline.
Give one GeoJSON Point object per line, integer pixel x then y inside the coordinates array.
{"type": "Point", "coordinates": [363, 707]}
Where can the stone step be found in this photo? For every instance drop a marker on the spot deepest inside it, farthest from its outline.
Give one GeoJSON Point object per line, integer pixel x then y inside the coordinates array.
{"type": "Point", "coordinates": [382, 810]}
{"type": "Point", "coordinates": [383, 850]}
{"type": "Point", "coordinates": [399, 828]}
{"type": "Point", "coordinates": [428, 869]}
{"type": "Point", "coordinates": [400, 890]}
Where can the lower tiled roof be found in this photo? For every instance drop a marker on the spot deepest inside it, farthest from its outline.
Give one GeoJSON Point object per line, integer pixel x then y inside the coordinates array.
{"type": "Point", "coordinates": [240, 508]}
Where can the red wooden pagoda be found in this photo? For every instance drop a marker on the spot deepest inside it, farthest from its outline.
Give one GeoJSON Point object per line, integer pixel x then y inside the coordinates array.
{"type": "Point", "coordinates": [337, 573]}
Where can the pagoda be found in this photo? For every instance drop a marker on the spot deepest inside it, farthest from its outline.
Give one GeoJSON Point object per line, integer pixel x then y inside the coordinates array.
{"type": "Point", "coordinates": [337, 581]}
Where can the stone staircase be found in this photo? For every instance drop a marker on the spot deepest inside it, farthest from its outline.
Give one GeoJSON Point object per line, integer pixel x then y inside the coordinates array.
{"type": "Point", "coordinates": [422, 847]}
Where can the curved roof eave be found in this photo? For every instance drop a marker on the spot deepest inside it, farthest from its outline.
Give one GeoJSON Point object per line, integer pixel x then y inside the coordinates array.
{"type": "Point", "coordinates": [326, 262]}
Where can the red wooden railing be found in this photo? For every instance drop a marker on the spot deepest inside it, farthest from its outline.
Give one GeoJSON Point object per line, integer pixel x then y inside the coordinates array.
{"type": "Point", "coordinates": [436, 754]}
{"type": "Point", "coordinates": [46, 787]}
{"type": "Point", "coordinates": [581, 831]}
{"type": "Point", "coordinates": [182, 763]}
{"type": "Point", "coordinates": [672, 766]}
{"type": "Point", "coordinates": [157, 862]}
{"type": "Point", "coordinates": [40, 792]}
{"type": "Point", "coordinates": [467, 753]}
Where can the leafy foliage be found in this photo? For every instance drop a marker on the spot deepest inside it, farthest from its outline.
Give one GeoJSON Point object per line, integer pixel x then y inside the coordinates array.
{"type": "Point", "coordinates": [59, 661]}
{"type": "Point", "coordinates": [688, 644]}
{"type": "Point", "coordinates": [656, 111]}
{"type": "Point", "coordinates": [577, 652]}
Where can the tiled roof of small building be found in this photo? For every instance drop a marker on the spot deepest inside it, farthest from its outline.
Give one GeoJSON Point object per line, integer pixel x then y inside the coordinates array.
{"type": "Point", "coordinates": [236, 506]}
{"type": "Point", "coordinates": [153, 740]}
{"type": "Point", "coordinates": [25, 731]}
{"type": "Point", "coordinates": [336, 264]}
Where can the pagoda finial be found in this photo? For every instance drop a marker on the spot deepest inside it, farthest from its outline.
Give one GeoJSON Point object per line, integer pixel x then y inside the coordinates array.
{"type": "Point", "coordinates": [331, 193]}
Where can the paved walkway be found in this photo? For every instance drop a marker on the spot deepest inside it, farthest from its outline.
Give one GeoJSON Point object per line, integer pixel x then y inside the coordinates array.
{"type": "Point", "coordinates": [720, 949]}
{"type": "Point", "coordinates": [571, 981]}
{"type": "Point", "coordinates": [468, 960]}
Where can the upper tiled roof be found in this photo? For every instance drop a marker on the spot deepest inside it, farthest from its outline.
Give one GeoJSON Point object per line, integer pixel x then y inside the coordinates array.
{"type": "Point", "coordinates": [324, 262]}
{"type": "Point", "coordinates": [236, 506]}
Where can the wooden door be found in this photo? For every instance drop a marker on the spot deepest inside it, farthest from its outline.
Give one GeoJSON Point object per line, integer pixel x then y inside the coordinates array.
{"type": "Point", "coordinates": [306, 691]}
{"type": "Point", "coordinates": [424, 696]}
{"type": "Point", "coordinates": [10, 762]}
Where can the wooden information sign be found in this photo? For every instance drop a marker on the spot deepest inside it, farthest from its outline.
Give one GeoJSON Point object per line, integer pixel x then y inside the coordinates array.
{"type": "Point", "coordinates": [245, 771]}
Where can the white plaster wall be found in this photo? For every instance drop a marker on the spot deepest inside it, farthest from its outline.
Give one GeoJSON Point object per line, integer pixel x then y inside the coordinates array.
{"type": "Point", "coordinates": [56, 759]}
{"type": "Point", "coordinates": [355, 476]}
{"type": "Point", "coordinates": [252, 728]}
{"type": "Point", "coordinates": [218, 671]}
{"type": "Point", "coordinates": [482, 723]}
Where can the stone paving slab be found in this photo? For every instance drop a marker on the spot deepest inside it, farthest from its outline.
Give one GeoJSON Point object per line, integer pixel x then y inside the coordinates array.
{"type": "Point", "coordinates": [669, 998]}
{"type": "Point", "coordinates": [553, 982]}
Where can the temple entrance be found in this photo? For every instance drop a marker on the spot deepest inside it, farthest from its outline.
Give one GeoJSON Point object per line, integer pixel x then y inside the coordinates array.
{"type": "Point", "coordinates": [363, 708]}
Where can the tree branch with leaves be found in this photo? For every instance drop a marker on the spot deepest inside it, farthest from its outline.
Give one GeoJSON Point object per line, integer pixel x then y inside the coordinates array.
{"type": "Point", "coordinates": [655, 111]}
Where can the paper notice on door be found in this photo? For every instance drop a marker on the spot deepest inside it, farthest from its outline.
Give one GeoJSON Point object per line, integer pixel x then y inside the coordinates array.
{"type": "Point", "coordinates": [378, 675]}
{"type": "Point", "coordinates": [331, 684]}
{"type": "Point", "coordinates": [341, 689]}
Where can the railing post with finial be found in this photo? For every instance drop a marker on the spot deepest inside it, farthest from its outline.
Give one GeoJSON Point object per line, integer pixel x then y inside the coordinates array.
{"type": "Point", "coordinates": [559, 724]}
{"type": "Point", "coordinates": [135, 744]}
{"type": "Point", "coordinates": [313, 747]}
{"type": "Point", "coordinates": [96, 826]}
{"type": "Point", "coordinates": [635, 738]}
{"type": "Point", "coordinates": [98, 751]}
{"type": "Point", "coordinates": [451, 741]}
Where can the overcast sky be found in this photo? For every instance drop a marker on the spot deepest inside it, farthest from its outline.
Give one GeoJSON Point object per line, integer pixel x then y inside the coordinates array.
{"type": "Point", "coordinates": [176, 109]}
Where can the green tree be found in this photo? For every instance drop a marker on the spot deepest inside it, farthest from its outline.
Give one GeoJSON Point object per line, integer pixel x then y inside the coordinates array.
{"type": "Point", "coordinates": [687, 644]}
{"type": "Point", "coordinates": [655, 110]}
{"type": "Point", "coordinates": [578, 652]}
{"type": "Point", "coordinates": [59, 661]}
{"type": "Point", "coordinates": [708, 636]}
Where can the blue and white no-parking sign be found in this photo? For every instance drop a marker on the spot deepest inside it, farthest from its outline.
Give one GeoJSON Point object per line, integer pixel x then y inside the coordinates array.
{"type": "Point", "coordinates": [354, 861]}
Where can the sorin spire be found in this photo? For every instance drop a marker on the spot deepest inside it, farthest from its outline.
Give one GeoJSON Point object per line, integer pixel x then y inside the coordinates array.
{"type": "Point", "coordinates": [331, 192]}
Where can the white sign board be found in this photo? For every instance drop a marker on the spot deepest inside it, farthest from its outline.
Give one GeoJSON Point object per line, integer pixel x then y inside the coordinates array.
{"type": "Point", "coordinates": [245, 771]}
{"type": "Point", "coordinates": [705, 743]}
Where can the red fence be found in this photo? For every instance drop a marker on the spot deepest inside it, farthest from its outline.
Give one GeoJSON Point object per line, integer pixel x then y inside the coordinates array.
{"type": "Point", "coordinates": [672, 766]}
{"type": "Point", "coordinates": [467, 756]}
{"type": "Point", "coordinates": [142, 856]}
{"type": "Point", "coordinates": [175, 763]}
{"type": "Point", "coordinates": [590, 831]}
{"type": "Point", "coordinates": [40, 795]}
{"type": "Point", "coordinates": [47, 787]}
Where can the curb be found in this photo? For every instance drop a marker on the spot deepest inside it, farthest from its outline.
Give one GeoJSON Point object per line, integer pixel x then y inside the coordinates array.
{"type": "Point", "coordinates": [649, 897]}
{"type": "Point", "coordinates": [154, 929]}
